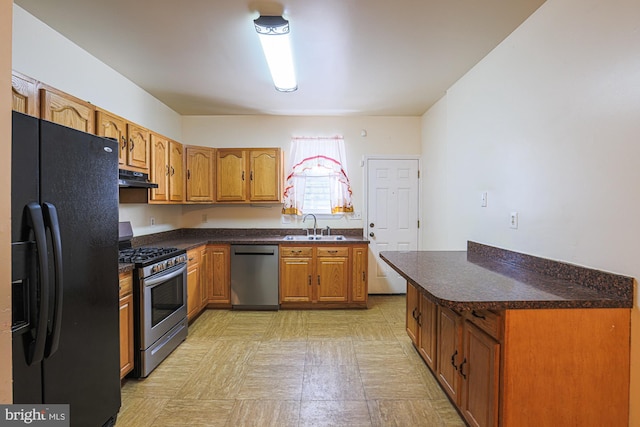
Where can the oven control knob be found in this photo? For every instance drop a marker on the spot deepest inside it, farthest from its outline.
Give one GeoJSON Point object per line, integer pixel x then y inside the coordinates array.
{"type": "Point", "coordinates": [154, 269]}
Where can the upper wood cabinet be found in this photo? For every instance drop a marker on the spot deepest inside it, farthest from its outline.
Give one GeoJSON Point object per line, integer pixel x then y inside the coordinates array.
{"type": "Point", "coordinates": [139, 140]}
{"type": "Point", "coordinates": [134, 140]}
{"type": "Point", "coordinates": [24, 94]}
{"type": "Point", "coordinates": [64, 109]}
{"type": "Point", "coordinates": [111, 126]}
{"type": "Point", "coordinates": [249, 175]}
{"type": "Point", "coordinates": [167, 170]}
{"type": "Point", "coordinates": [200, 163]}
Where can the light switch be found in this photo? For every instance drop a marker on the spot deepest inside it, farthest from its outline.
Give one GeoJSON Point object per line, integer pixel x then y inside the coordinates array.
{"type": "Point", "coordinates": [483, 199]}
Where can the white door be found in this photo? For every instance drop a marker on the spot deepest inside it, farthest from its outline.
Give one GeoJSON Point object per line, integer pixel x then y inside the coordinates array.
{"type": "Point", "coordinates": [392, 218]}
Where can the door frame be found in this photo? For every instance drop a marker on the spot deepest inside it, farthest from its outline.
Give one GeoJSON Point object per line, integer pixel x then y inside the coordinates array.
{"type": "Point", "coordinates": [365, 211]}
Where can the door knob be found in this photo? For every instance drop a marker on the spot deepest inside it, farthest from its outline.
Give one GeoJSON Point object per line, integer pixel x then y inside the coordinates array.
{"type": "Point", "coordinates": [371, 234]}
{"type": "Point", "coordinates": [371, 225]}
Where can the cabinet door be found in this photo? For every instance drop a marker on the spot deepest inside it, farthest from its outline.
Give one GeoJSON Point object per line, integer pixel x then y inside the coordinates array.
{"type": "Point", "coordinates": [296, 279]}
{"type": "Point", "coordinates": [413, 311]}
{"type": "Point", "coordinates": [193, 283]}
{"type": "Point", "coordinates": [24, 94]}
{"type": "Point", "coordinates": [159, 172]}
{"type": "Point", "coordinates": [332, 275]}
{"type": "Point", "coordinates": [231, 184]}
{"type": "Point", "coordinates": [112, 126]}
{"type": "Point", "coordinates": [449, 352]}
{"type": "Point", "coordinates": [204, 277]}
{"type": "Point", "coordinates": [264, 175]}
{"type": "Point", "coordinates": [199, 174]}
{"type": "Point", "coordinates": [126, 335]}
{"type": "Point", "coordinates": [359, 264]}
{"type": "Point", "coordinates": [219, 284]}
{"type": "Point", "coordinates": [64, 109]}
{"type": "Point", "coordinates": [176, 172]}
{"type": "Point", "coordinates": [139, 142]}
{"type": "Point", "coordinates": [427, 330]}
{"type": "Point", "coordinates": [480, 373]}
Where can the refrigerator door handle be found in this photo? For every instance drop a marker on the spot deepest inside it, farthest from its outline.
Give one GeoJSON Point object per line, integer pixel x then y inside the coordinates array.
{"type": "Point", "coordinates": [52, 223]}
{"type": "Point", "coordinates": [35, 353]}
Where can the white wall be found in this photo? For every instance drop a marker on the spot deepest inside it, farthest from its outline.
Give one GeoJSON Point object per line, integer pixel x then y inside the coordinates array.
{"type": "Point", "coordinates": [47, 56]}
{"type": "Point", "coordinates": [548, 124]}
{"type": "Point", "coordinates": [385, 135]}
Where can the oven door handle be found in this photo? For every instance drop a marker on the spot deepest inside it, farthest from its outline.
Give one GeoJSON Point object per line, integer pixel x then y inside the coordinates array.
{"type": "Point", "coordinates": [164, 277]}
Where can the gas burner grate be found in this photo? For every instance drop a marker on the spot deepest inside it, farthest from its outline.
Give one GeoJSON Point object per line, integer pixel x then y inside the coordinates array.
{"type": "Point", "coordinates": [135, 255]}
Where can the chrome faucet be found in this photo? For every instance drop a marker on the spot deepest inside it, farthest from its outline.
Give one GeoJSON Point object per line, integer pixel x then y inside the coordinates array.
{"type": "Point", "coordinates": [315, 223]}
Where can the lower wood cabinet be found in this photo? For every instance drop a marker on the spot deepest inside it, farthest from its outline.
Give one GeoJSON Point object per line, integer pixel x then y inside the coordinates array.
{"type": "Point", "coordinates": [318, 275]}
{"type": "Point", "coordinates": [526, 367]}
{"type": "Point", "coordinates": [194, 302]}
{"type": "Point", "coordinates": [218, 284]}
{"type": "Point", "coordinates": [126, 323]}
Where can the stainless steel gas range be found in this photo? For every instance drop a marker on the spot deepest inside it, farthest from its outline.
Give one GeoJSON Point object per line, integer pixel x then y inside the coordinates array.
{"type": "Point", "coordinates": [160, 300]}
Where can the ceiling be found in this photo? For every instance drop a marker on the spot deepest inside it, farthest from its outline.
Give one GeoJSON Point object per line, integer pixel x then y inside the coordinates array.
{"type": "Point", "coordinates": [352, 57]}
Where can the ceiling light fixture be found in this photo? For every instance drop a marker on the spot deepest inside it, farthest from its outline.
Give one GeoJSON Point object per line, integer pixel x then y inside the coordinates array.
{"type": "Point", "coordinates": [273, 32]}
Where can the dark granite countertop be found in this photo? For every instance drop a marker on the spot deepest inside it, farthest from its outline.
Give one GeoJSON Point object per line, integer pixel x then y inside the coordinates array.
{"type": "Point", "coordinates": [194, 237]}
{"type": "Point", "coordinates": [484, 277]}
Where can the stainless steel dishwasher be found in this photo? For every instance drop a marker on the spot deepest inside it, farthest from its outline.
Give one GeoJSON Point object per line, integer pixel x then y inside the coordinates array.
{"type": "Point", "coordinates": [254, 277]}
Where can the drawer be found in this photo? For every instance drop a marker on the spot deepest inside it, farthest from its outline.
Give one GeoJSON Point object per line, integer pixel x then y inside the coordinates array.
{"type": "Point", "coordinates": [488, 321]}
{"type": "Point", "coordinates": [125, 282]}
{"type": "Point", "coordinates": [332, 251]}
{"type": "Point", "coordinates": [193, 256]}
{"type": "Point", "coordinates": [293, 251]}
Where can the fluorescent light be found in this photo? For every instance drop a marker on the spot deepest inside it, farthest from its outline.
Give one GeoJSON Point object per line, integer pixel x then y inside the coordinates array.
{"type": "Point", "coordinates": [273, 32]}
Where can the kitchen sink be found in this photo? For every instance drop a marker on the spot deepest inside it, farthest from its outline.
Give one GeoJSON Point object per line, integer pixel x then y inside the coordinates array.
{"type": "Point", "coordinates": [299, 238]}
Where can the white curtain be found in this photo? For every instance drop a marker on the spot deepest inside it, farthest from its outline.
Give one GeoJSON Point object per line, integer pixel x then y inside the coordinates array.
{"type": "Point", "coordinates": [313, 157]}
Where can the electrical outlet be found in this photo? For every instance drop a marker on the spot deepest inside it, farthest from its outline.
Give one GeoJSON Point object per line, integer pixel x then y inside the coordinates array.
{"type": "Point", "coordinates": [152, 221]}
{"type": "Point", "coordinates": [513, 220]}
{"type": "Point", "coordinates": [356, 215]}
{"type": "Point", "coordinates": [204, 217]}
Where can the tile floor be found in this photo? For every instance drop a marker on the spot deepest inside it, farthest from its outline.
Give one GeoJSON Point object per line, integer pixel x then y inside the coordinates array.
{"type": "Point", "coordinates": [292, 368]}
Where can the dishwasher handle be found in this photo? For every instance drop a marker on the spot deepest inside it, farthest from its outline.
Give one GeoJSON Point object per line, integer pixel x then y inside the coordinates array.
{"type": "Point", "coordinates": [257, 251]}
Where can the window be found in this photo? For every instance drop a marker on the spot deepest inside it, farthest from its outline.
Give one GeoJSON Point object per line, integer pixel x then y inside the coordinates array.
{"type": "Point", "coordinates": [317, 182]}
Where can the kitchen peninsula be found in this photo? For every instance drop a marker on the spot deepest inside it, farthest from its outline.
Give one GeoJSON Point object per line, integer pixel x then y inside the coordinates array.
{"type": "Point", "coordinates": [516, 340]}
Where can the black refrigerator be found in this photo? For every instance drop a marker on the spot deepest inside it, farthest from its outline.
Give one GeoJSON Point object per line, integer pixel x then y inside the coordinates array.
{"type": "Point", "coordinates": [65, 313]}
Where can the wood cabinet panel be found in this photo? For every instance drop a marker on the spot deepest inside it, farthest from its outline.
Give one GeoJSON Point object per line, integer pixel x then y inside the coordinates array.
{"type": "Point", "coordinates": [139, 143]}
{"type": "Point", "coordinates": [264, 175]}
{"type": "Point", "coordinates": [111, 126]}
{"type": "Point", "coordinates": [359, 265]}
{"type": "Point", "coordinates": [193, 283]}
{"type": "Point", "coordinates": [176, 172]}
{"type": "Point", "coordinates": [125, 282]}
{"type": "Point", "coordinates": [24, 94]}
{"type": "Point", "coordinates": [159, 171]}
{"type": "Point", "coordinates": [219, 277]}
{"type": "Point", "coordinates": [333, 279]}
{"type": "Point", "coordinates": [200, 164]}
{"type": "Point", "coordinates": [449, 352]}
{"type": "Point", "coordinates": [296, 279]}
{"type": "Point", "coordinates": [66, 110]}
{"type": "Point", "coordinates": [427, 339]}
{"type": "Point", "coordinates": [479, 370]}
{"type": "Point", "coordinates": [413, 311]}
{"type": "Point", "coordinates": [231, 175]}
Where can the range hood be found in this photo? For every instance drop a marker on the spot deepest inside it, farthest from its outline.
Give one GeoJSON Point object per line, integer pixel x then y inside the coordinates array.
{"type": "Point", "coordinates": [134, 179]}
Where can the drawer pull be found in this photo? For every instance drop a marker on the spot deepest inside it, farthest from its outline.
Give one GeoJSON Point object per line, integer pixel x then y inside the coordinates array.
{"type": "Point", "coordinates": [413, 313]}
{"type": "Point", "coordinates": [479, 316]}
{"type": "Point", "coordinates": [333, 252]}
{"type": "Point", "coordinates": [309, 280]}
{"type": "Point", "coordinates": [419, 319]}
{"type": "Point", "coordinates": [364, 277]}
{"type": "Point", "coordinates": [318, 280]}
{"type": "Point", "coordinates": [453, 360]}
